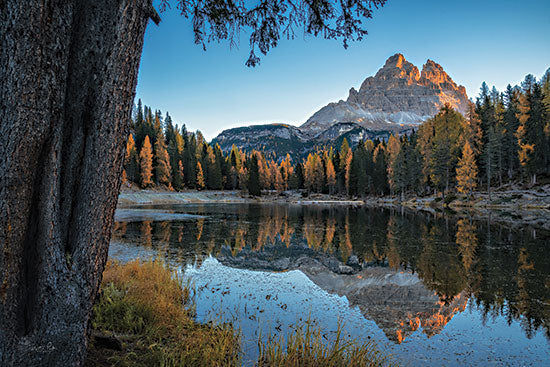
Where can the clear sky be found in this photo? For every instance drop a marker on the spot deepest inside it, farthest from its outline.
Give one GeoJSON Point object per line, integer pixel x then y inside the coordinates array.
{"type": "Point", "coordinates": [496, 41]}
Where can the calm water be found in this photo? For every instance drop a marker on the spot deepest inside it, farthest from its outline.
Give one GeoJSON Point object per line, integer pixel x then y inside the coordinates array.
{"type": "Point", "coordinates": [431, 290]}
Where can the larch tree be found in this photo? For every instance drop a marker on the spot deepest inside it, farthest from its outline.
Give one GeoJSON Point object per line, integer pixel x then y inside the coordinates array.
{"type": "Point", "coordinates": [146, 163]}
{"type": "Point", "coordinates": [68, 74]}
{"type": "Point", "coordinates": [466, 171]}
{"type": "Point", "coordinates": [347, 170]}
{"type": "Point", "coordinates": [331, 176]}
{"type": "Point", "coordinates": [200, 177]}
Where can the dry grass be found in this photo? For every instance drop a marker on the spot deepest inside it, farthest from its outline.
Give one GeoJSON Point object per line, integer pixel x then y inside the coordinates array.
{"type": "Point", "coordinates": [151, 311]}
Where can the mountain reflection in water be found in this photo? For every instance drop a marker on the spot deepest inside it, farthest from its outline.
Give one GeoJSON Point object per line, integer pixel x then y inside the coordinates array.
{"type": "Point", "coordinates": [403, 270]}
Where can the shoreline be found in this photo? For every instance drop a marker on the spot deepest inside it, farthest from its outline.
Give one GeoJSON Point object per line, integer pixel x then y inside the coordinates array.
{"type": "Point", "coordinates": [525, 207]}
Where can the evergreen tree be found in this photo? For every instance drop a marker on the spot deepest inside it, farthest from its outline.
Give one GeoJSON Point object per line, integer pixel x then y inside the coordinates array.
{"type": "Point", "coordinates": [466, 171]}
{"type": "Point", "coordinates": [297, 179]}
{"type": "Point", "coordinates": [489, 157]}
{"type": "Point", "coordinates": [146, 163]}
{"type": "Point", "coordinates": [131, 161]}
{"type": "Point", "coordinates": [531, 135]}
{"type": "Point", "coordinates": [254, 188]}
{"type": "Point", "coordinates": [341, 167]}
{"type": "Point", "coordinates": [394, 166]}
{"type": "Point", "coordinates": [445, 145]}
{"type": "Point", "coordinates": [509, 140]}
{"type": "Point", "coordinates": [214, 170]}
{"type": "Point", "coordinates": [380, 170]}
{"type": "Point", "coordinates": [358, 172]}
{"type": "Point", "coordinates": [190, 161]}
{"type": "Point", "coordinates": [162, 161]}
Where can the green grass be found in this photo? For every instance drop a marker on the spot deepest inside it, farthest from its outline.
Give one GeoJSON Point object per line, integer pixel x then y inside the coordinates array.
{"type": "Point", "coordinates": [306, 347]}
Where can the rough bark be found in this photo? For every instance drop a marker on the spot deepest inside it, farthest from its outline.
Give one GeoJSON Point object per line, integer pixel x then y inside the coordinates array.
{"type": "Point", "coordinates": [68, 72]}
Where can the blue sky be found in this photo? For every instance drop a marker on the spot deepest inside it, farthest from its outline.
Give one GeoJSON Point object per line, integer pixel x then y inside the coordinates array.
{"type": "Point", "coordinates": [494, 41]}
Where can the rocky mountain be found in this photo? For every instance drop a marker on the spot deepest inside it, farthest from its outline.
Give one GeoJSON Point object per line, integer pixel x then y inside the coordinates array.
{"type": "Point", "coordinates": [278, 139]}
{"type": "Point", "coordinates": [397, 95]}
{"type": "Point", "coordinates": [396, 99]}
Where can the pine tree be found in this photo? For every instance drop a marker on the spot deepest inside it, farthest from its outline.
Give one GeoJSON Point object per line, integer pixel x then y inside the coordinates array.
{"type": "Point", "coordinates": [200, 177]}
{"type": "Point", "coordinates": [213, 170]}
{"type": "Point", "coordinates": [447, 127]}
{"type": "Point", "coordinates": [341, 167]}
{"type": "Point", "coordinates": [393, 149]}
{"type": "Point", "coordinates": [358, 172]}
{"type": "Point", "coordinates": [531, 135]}
{"type": "Point", "coordinates": [380, 170]}
{"type": "Point", "coordinates": [509, 140]}
{"type": "Point", "coordinates": [190, 160]}
{"type": "Point", "coordinates": [297, 179]}
{"type": "Point", "coordinates": [254, 188]}
{"type": "Point", "coordinates": [162, 161]}
{"type": "Point", "coordinates": [466, 171]}
{"type": "Point", "coordinates": [131, 161]}
{"type": "Point", "coordinates": [146, 163]}
{"type": "Point", "coordinates": [489, 157]}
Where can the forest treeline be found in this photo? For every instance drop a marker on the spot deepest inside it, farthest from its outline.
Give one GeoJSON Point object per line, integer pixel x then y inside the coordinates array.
{"type": "Point", "coordinates": [504, 136]}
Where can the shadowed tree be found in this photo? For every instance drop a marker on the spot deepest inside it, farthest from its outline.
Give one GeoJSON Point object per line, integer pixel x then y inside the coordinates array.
{"type": "Point", "coordinates": [68, 73]}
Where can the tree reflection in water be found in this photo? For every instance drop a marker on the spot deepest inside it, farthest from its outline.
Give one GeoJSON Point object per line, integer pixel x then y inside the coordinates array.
{"type": "Point", "coordinates": [502, 270]}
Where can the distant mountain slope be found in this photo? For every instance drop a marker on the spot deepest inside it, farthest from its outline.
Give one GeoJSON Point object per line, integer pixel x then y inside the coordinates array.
{"type": "Point", "coordinates": [279, 139]}
{"type": "Point", "coordinates": [396, 99]}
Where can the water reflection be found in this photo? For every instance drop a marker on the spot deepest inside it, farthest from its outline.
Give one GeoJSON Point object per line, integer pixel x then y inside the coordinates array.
{"type": "Point", "coordinates": [403, 270]}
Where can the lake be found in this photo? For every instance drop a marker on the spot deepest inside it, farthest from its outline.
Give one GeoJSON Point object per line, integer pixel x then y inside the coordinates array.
{"type": "Point", "coordinates": [430, 288]}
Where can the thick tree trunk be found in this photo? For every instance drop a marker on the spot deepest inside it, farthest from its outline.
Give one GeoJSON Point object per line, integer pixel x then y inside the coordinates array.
{"type": "Point", "coordinates": [68, 72]}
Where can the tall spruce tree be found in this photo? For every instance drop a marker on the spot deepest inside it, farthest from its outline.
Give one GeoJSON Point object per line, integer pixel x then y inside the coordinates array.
{"type": "Point", "coordinates": [131, 161]}
{"type": "Point", "coordinates": [163, 169]}
{"type": "Point", "coordinates": [254, 188]}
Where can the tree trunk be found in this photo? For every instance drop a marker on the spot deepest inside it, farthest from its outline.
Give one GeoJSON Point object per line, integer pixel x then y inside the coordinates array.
{"type": "Point", "coordinates": [68, 72]}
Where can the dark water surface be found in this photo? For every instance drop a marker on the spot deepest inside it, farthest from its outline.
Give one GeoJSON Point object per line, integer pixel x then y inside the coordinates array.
{"type": "Point", "coordinates": [430, 289]}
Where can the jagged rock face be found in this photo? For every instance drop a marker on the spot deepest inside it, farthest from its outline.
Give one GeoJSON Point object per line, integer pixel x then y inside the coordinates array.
{"type": "Point", "coordinates": [397, 95]}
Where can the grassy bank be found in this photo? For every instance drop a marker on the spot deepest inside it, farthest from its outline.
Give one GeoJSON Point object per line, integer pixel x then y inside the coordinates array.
{"type": "Point", "coordinates": [148, 315]}
{"type": "Point", "coordinates": [147, 307]}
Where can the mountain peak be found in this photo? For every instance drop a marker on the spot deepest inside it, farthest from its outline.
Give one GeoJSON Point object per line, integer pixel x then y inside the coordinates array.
{"type": "Point", "coordinates": [398, 94]}
{"type": "Point", "coordinates": [396, 61]}
{"type": "Point", "coordinates": [434, 73]}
